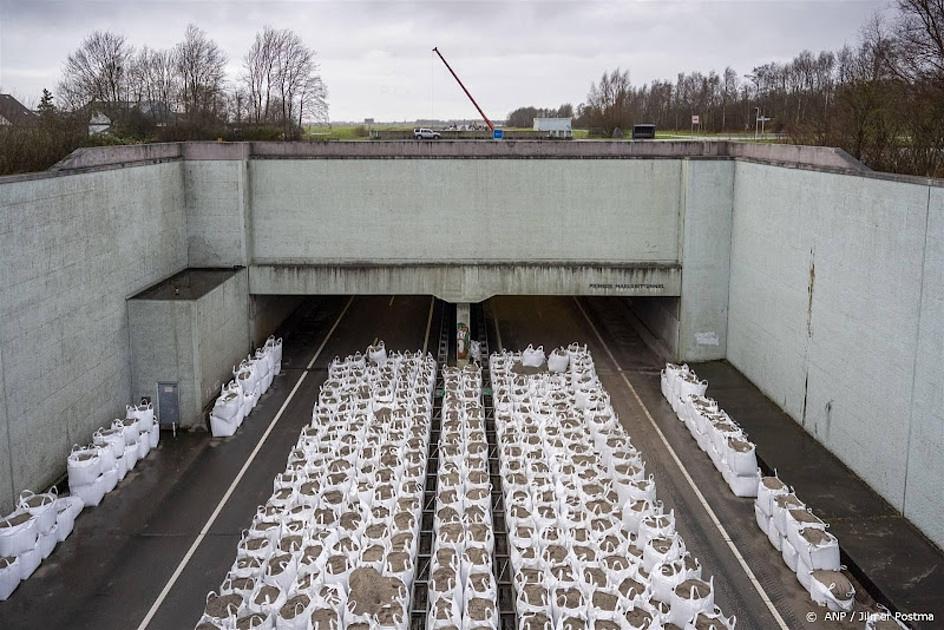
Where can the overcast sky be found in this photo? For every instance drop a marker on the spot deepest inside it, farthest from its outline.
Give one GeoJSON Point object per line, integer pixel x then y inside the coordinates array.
{"type": "Point", "coordinates": [376, 57]}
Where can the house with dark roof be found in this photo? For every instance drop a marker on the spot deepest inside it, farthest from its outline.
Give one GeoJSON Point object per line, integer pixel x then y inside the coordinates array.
{"type": "Point", "coordinates": [14, 113]}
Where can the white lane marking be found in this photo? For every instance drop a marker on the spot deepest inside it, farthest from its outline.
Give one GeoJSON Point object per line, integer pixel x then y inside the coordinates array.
{"type": "Point", "coordinates": [229, 491]}
{"type": "Point", "coordinates": [429, 322]}
{"type": "Point", "coordinates": [392, 298]}
{"type": "Point", "coordinates": [691, 482]}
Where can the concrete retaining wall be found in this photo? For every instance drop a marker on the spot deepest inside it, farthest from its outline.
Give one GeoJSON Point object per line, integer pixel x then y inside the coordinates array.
{"type": "Point", "coordinates": [835, 313]}
{"type": "Point", "coordinates": [73, 249]}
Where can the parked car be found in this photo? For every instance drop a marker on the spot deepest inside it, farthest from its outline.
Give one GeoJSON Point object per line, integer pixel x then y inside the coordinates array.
{"type": "Point", "coordinates": [425, 134]}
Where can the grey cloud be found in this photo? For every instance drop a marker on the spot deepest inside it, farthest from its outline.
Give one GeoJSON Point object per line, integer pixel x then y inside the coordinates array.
{"type": "Point", "coordinates": [376, 57]}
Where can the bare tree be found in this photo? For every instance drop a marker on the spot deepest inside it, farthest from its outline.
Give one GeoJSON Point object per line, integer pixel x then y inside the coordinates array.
{"type": "Point", "coordinates": [281, 79]}
{"type": "Point", "coordinates": [98, 71]}
{"type": "Point", "coordinates": [155, 83]}
{"type": "Point", "coordinates": [201, 67]}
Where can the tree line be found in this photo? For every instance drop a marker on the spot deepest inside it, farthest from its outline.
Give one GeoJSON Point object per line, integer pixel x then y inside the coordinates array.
{"type": "Point", "coordinates": [882, 100]}
{"type": "Point", "coordinates": [186, 86]}
{"type": "Point", "coordinates": [180, 93]}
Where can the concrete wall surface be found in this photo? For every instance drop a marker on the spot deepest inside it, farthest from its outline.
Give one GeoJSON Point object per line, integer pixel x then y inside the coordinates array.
{"type": "Point", "coordinates": [707, 188]}
{"type": "Point", "coordinates": [194, 343]}
{"type": "Point", "coordinates": [326, 211]}
{"type": "Point", "coordinates": [221, 325]}
{"type": "Point", "coordinates": [216, 208]}
{"type": "Point", "coordinates": [835, 285]}
{"type": "Point", "coordinates": [73, 249]}
{"type": "Point", "coordinates": [923, 502]}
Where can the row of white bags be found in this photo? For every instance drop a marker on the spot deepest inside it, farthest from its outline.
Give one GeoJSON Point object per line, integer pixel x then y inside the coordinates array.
{"type": "Point", "coordinates": [95, 469]}
{"type": "Point", "coordinates": [251, 379]}
{"type": "Point", "coordinates": [581, 554]}
{"type": "Point", "coordinates": [462, 589]}
{"type": "Point", "coordinates": [29, 534]}
{"type": "Point", "coordinates": [344, 515]}
{"type": "Point", "coordinates": [804, 544]}
{"type": "Point", "coordinates": [714, 431]}
{"type": "Point", "coordinates": [801, 538]}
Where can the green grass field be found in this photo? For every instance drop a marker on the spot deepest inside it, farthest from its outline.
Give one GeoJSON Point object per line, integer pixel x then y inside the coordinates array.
{"type": "Point", "coordinates": [361, 132]}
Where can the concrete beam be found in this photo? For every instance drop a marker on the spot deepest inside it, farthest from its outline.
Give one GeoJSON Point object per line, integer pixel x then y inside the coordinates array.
{"type": "Point", "coordinates": [466, 282]}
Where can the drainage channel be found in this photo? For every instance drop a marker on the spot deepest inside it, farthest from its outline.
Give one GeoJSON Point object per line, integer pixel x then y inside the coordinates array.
{"type": "Point", "coordinates": [501, 562]}
{"type": "Point", "coordinates": [420, 601]}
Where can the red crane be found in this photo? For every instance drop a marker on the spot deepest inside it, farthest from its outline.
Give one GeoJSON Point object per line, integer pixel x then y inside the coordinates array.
{"type": "Point", "coordinates": [488, 122]}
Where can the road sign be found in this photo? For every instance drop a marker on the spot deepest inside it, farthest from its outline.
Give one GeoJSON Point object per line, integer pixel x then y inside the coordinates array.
{"type": "Point", "coordinates": [498, 134]}
{"type": "Point", "coordinates": [696, 119]}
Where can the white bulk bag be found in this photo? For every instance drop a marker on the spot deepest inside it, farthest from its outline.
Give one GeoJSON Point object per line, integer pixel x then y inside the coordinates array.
{"type": "Point", "coordinates": [29, 560]}
{"type": "Point", "coordinates": [819, 548]}
{"type": "Point", "coordinates": [41, 506]}
{"type": "Point", "coordinates": [533, 357]}
{"type": "Point", "coordinates": [222, 426]}
{"type": "Point", "coordinates": [110, 478]}
{"type": "Point", "coordinates": [154, 433]}
{"type": "Point", "coordinates": [67, 508]}
{"type": "Point", "coordinates": [275, 345]}
{"type": "Point", "coordinates": [84, 464]}
{"type": "Point", "coordinates": [798, 519]}
{"type": "Point", "coordinates": [18, 533]}
{"type": "Point", "coordinates": [767, 490]}
{"type": "Point", "coordinates": [9, 576]}
{"type": "Point", "coordinates": [789, 554]}
{"type": "Point", "coordinates": [48, 540]}
{"type": "Point", "coordinates": [128, 428]}
{"type": "Point", "coordinates": [111, 439]}
{"type": "Point", "coordinates": [833, 589]}
{"type": "Point", "coordinates": [144, 444]}
{"type": "Point", "coordinates": [377, 354]}
{"type": "Point", "coordinates": [295, 612]}
{"type": "Point", "coordinates": [741, 456]}
{"type": "Point", "coordinates": [744, 486]}
{"type": "Point", "coordinates": [690, 598]}
{"type": "Point", "coordinates": [714, 619]}
{"type": "Point", "coordinates": [558, 361]}
{"type": "Point", "coordinates": [91, 493]}
{"type": "Point", "coordinates": [143, 413]}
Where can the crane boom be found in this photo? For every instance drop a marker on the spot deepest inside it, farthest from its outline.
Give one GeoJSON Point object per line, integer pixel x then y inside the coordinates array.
{"type": "Point", "coordinates": [491, 127]}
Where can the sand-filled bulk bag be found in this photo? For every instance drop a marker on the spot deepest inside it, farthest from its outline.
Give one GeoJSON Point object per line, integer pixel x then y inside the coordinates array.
{"type": "Point", "coordinates": [274, 347]}
{"type": "Point", "coordinates": [819, 548]}
{"type": "Point", "coordinates": [533, 357]}
{"type": "Point", "coordinates": [48, 541]}
{"type": "Point", "coordinates": [713, 620]}
{"type": "Point", "coordinates": [797, 519]}
{"type": "Point", "coordinates": [781, 506]}
{"type": "Point", "coordinates": [224, 609]}
{"type": "Point", "coordinates": [29, 560]}
{"type": "Point", "coordinates": [112, 439]}
{"type": "Point", "coordinates": [128, 428]}
{"type": "Point", "coordinates": [832, 589]}
{"type": "Point", "coordinates": [67, 508]}
{"type": "Point", "coordinates": [154, 433]}
{"type": "Point", "coordinates": [744, 486]}
{"type": "Point", "coordinates": [558, 361]}
{"type": "Point", "coordinates": [9, 576]}
{"type": "Point", "coordinates": [789, 554]}
{"type": "Point", "coordinates": [18, 532]}
{"type": "Point", "coordinates": [741, 456]}
{"type": "Point", "coordinates": [767, 489]}
{"type": "Point", "coordinates": [84, 464]}
{"type": "Point", "coordinates": [255, 621]}
{"type": "Point", "coordinates": [689, 598]}
{"type": "Point", "coordinates": [377, 353]}
{"type": "Point", "coordinates": [92, 493]}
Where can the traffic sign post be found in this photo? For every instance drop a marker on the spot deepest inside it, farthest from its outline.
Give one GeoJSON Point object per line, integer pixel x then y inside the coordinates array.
{"type": "Point", "coordinates": [498, 134]}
